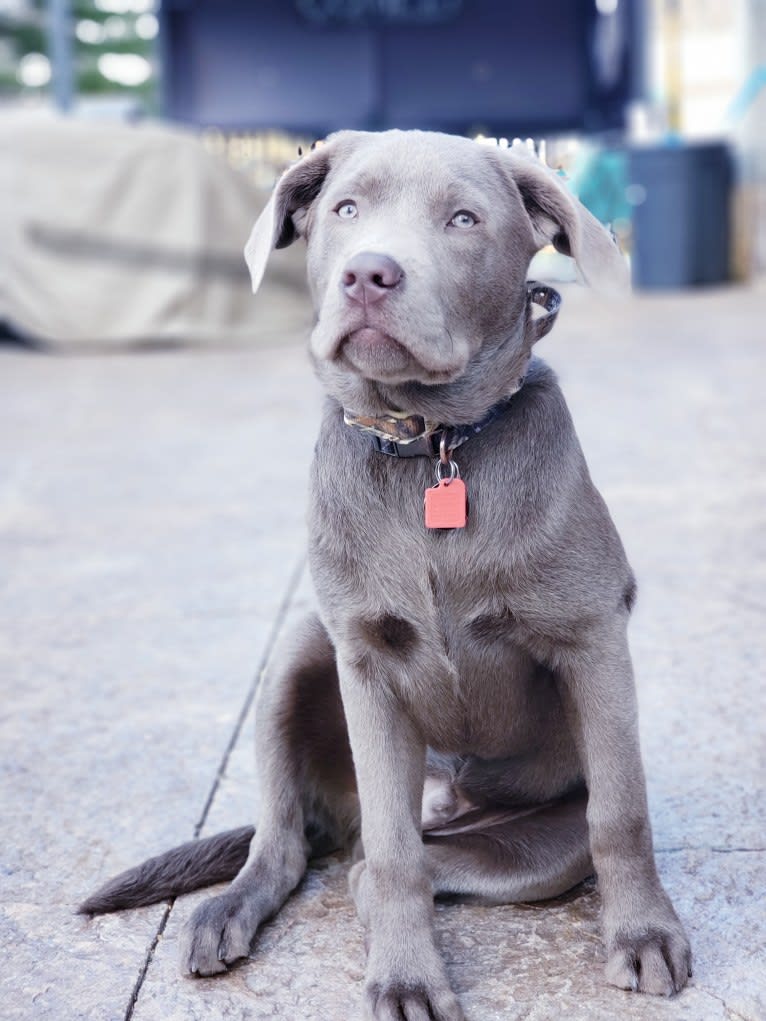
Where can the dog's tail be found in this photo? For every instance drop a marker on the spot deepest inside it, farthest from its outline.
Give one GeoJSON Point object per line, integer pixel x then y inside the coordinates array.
{"type": "Point", "coordinates": [189, 867]}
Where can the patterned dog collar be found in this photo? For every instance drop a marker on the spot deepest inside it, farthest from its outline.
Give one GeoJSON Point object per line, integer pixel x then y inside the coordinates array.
{"type": "Point", "coordinates": [402, 435]}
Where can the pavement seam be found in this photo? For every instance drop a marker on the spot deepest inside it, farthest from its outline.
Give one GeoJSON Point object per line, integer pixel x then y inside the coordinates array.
{"type": "Point", "coordinates": [148, 960]}
{"type": "Point", "coordinates": [282, 611]}
{"type": "Point", "coordinates": [279, 620]}
{"type": "Point", "coordinates": [732, 1015]}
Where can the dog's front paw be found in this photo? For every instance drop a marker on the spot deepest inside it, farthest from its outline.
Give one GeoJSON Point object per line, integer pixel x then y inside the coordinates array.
{"type": "Point", "coordinates": [408, 979]}
{"type": "Point", "coordinates": [218, 933]}
{"type": "Point", "coordinates": [656, 959]}
{"type": "Point", "coordinates": [415, 1001]}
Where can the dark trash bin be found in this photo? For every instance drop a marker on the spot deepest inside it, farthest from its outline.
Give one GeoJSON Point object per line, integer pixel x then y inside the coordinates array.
{"type": "Point", "coordinates": [681, 216]}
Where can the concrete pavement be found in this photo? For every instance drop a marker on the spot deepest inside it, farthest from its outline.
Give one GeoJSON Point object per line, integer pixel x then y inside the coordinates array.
{"type": "Point", "coordinates": [151, 548]}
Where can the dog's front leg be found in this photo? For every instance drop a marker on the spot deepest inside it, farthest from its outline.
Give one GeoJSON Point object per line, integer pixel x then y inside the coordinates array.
{"type": "Point", "coordinates": [647, 948]}
{"type": "Point", "coordinates": [406, 977]}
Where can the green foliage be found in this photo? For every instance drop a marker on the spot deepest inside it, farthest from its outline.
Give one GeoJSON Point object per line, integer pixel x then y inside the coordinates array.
{"type": "Point", "coordinates": [29, 35]}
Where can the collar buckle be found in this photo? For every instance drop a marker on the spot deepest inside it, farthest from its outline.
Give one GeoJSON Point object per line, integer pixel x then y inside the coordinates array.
{"type": "Point", "coordinates": [426, 445]}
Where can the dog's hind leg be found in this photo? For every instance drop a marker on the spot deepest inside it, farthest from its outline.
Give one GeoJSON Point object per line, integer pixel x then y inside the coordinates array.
{"type": "Point", "coordinates": [504, 855]}
{"type": "Point", "coordinates": [507, 855]}
{"type": "Point", "coordinates": [309, 802]}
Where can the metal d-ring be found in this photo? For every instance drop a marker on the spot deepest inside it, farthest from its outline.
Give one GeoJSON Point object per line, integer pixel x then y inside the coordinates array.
{"type": "Point", "coordinates": [444, 451]}
{"type": "Point", "coordinates": [454, 471]}
{"type": "Point", "coordinates": [445, 461]}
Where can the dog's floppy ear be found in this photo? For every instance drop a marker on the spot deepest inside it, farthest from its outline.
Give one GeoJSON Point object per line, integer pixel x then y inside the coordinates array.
{"type": "Point", "coordinates": [275, 227]}
{"type": "Point", "coordinates": [559, 219]}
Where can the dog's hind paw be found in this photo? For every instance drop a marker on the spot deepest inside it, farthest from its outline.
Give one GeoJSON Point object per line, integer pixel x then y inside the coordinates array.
{"type": "Point", "coordinates": [218, 933]}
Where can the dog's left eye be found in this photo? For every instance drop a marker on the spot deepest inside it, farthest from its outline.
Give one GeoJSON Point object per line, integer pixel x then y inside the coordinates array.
{"type": "Point", "coordinates": [346, 210]}
{"type": "Point", "coordinates": [463, 218]}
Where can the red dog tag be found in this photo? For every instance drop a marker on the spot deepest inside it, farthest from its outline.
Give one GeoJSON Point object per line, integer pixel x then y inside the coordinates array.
{"type": "Point", "coordinates": [447, 504]}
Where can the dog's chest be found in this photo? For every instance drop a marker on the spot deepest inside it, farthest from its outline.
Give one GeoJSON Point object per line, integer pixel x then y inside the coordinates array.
{"type": "Point", "coordinates": [369, 535]}
{"type": "Point", "coordinates": [429, 610]}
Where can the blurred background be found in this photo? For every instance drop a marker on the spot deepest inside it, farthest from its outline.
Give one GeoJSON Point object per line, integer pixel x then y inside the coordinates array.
{"type": "Point", "coordinates": [139, 139]}
{"type": "Point", "coordinates": [156, 429]}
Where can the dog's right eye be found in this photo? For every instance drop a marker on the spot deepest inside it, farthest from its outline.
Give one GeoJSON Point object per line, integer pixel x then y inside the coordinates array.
{"type": "Point", "coordinates": [346, 210]}
{"type": "Point", "coordinates": [463, 219]}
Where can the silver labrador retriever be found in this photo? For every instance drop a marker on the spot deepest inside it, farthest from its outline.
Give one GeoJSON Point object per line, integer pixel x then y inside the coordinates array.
{"type": "Point", "coordinates": [464, 700]}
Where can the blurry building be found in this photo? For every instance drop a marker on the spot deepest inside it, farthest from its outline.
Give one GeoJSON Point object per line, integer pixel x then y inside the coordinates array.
{"type": "Point", "coordinates": [466, 66]}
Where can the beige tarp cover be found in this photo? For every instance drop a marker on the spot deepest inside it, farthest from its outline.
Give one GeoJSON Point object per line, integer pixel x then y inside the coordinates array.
{"type": "Point", "coordinates": [114, 233]}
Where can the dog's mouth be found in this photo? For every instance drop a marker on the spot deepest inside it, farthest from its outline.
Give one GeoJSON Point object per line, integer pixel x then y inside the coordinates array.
{"type": "Point", "coordinates": [375, 354]}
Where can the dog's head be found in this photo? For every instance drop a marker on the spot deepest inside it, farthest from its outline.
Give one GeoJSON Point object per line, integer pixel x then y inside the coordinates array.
{"type": "Point", "coordinates": [418, 250]}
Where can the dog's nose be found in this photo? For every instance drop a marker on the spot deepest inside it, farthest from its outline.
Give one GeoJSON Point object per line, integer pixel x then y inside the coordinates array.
{"type": "Point", "coordinates": [368, 277]}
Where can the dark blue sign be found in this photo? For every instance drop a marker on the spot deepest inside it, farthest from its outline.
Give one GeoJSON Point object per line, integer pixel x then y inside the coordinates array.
{"type": "Point", "coordinates": [354, 12]}
{"type": "Point", "coordinates": [312, 66]}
